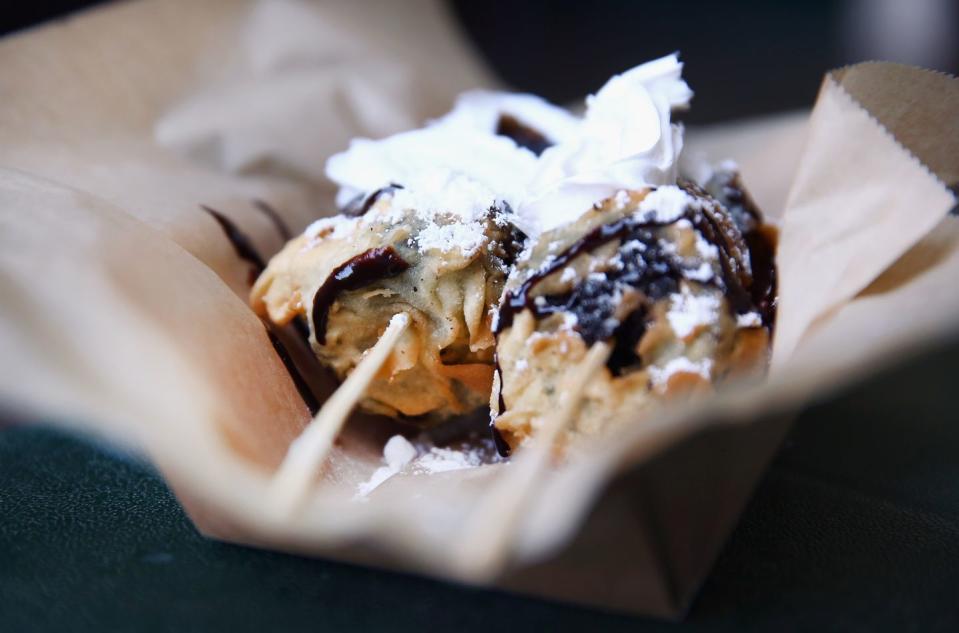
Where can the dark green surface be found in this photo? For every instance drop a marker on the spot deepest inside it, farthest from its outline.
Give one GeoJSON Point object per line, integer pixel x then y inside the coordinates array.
{"type": "Point", "coordinates": [856, 527]}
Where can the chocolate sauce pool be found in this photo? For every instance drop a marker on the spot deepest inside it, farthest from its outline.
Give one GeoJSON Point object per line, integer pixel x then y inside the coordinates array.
{"type": "Point", "coordinates": [359, 271]}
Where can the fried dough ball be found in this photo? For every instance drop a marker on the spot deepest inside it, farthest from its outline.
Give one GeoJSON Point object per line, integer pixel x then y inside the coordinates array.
{"type": "Point", "coordinates": [348, 275]}
{"type": "Point", "coordinates": [666, 276]}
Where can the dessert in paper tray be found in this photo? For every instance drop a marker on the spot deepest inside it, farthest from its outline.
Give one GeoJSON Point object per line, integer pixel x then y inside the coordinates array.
{"type": "Point", "coordinates": [555, 332]}
{"type": "Point", "coordinates": [514, 237]}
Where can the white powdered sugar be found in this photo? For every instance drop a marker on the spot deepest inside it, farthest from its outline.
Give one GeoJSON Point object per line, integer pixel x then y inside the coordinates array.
{"type": "Point", "coordinates": [709, 252]}
{"type": "Point", "coordinates": [467, 238]}
{"type": "Point", "coordinates": [419, 458]}
{"type": "Point", "coordinates": [441, 460]}
{"type": "Point", "coordinates": [397, 453]}
{"type": "Point", "coordinates": [621, 199]}
{"type": "Point", "coordinates": [661, 375]}
{"type": "Point", "coordinates": [750, 319]}
{"type": "Point", "coordinates": [688, 312]}
{"type": "Point", "coordinates": [568, 274]}
{"type": "Point", "coordinates": [442, 193]}
{"type": "Point", "coordinates": [706, 250]}
{"type": "Point", "coordinates": [633, 246]}
{"type": "Point", "coordinates": [570, 321]}
{"type": "Point", "coordinates": [335, 228]}
{"type": "Point", "coordinates": [534, 338]}
{"type": "Point", "coordinates": [704, 272]}
{"type": "Point", "coordinates": [666, 204]}
{"type": "Point", "coordinates": [452, 206]}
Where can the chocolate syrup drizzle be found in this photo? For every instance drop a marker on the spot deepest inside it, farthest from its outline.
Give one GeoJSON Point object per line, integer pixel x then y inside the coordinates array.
{"type": "Point", "coordinates": [502, 446]}
{"type": "Point", "coordinates": [650, 270]}
{"type": "Point", "coordinates": [522, 135]}
{"type": "Point", "coordinates": [244, 248]}
{"type": "Point", "coordinates": [513, 239]}
{"type": "Point", "coordinates": [309, 399]}
{"type": "Point", "coordinates": [760, 239]}
{"type": "Point", "coordinates": [241, 243]}
{"type": "Point", "coordinates": [359, 205]}
{"type": "Point", "coordinates": [281, 227]}
{"type": "Point", "coordinates": [359, 271]}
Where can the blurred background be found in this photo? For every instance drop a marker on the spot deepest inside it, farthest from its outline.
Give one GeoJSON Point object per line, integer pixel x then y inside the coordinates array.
{"type": "Point", "coordinates": [746, 57]}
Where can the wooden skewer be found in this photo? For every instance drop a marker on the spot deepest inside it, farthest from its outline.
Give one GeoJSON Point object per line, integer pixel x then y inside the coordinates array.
{"type": "Point", "coordinates": [486, 545]}
{"type": "Point", "coordinates": [307, 453]}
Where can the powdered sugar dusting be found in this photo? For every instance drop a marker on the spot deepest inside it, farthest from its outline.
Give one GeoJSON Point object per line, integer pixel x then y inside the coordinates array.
{"type": "Point", "coordinates": [449, 208]}
{"type": "Point", "coordinates": [750, 319]}
{"type": "Point", "coordinates": [397, 453]}
{"type": "Point", "coordinates": [688, 312]}
{"type": "Point", "coordinates": [335, 228]}
{"type": "Point", "coordinates": [704, 272]}
{"type": "Point", "coordinates": [661, 375]}
{"type": "Point", "coordinates": [706, 250]}
{"type": "Point", "coordinates": [467, 238]}
{"type": "Point", "coordinates": [442, 192]}
{"type": "Point", "coordinates": [570, 321]}
{"type": "Point", "coordinates": [421, 457]}
{"type": "Point", "coordinates": [666, 204]}
{"type": "Point", "coordinates": [621, 199]}
{"type": "Point", "coordinates": [441, 460]}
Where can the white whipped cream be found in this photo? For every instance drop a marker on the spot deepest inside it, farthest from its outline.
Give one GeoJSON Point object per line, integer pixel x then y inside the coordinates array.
{"type": "Point", "coordinates": [625, 140]}
{"type": "Point", "coordinates": [422, 161]}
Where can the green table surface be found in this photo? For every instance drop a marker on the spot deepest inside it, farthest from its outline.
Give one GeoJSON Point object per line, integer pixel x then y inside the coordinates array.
{"type": "Point", "coordinates": [855, 527]}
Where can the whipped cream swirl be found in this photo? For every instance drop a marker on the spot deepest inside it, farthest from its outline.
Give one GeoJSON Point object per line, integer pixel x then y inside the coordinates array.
{"type": "Point", "coordinates": [459, 165]}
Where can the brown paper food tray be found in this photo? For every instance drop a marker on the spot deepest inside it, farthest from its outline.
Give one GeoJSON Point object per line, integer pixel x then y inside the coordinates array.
{"type": "Point", "coordinates": [652, 537]}
{"type": "Point", "coordinates": [118, 124]}
{"type": "Point", "coordinates": [649, 541]}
